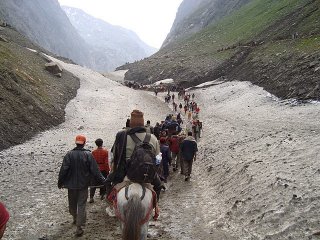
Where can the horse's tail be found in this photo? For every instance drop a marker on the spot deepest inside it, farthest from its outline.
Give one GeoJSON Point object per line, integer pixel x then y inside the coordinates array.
{"type": "Point", "coordinates": [133, 217]}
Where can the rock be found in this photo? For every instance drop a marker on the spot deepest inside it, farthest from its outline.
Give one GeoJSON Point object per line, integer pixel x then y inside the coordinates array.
{"type": "Point", "coordinates": [45, 57]}
{"type": "Point", "coordinates": [301, 91]}
{"type": "Point", "coordinates": [53, 67]}
{"type": "Point", "coordinates": [316, 69]}
{"type": "Point", "coordinates": [3, 39]}
{"type": "Point", "coordinates": [313, 64]}
{"type": "Point", "coordinates": [3, 23]}
{"type": "Point", "coordinates": [1, 28]}
{"type": "Point", "coordinates": [58, 75]}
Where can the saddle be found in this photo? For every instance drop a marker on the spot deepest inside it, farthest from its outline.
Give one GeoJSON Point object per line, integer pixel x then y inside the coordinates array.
{"type": "Point", "coordinates": [112, 197]}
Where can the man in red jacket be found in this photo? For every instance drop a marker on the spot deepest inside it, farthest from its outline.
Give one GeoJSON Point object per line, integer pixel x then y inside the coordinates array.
{"type": "Point", "coordinates": [174, 148]}
{"type": "Point", "coordinates": [101, 156]}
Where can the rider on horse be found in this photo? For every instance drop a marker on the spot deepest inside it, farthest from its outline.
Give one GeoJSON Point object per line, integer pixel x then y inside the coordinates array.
{"type": "Point", "coordinates": [123, 148]}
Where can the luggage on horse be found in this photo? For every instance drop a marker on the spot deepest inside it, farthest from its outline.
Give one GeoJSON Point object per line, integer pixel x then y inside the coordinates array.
{"type": "Point", "coordinates": [141, 167]}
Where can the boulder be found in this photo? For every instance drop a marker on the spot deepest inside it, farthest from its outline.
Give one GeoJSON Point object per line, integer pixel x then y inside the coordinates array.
{"type": "Point", "coordinates": [45, 57]}
{"type": "Point", "coordinates": [53, 67]}
{"type": "Point", "coordinates": [59, 75]}
{"type": "Point", "coordinates": [3, 39]}
{"type": "Point", "coordinates": [3, 23]}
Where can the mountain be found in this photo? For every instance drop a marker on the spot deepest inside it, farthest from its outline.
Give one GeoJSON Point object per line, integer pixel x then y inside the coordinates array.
{"type": "Point", "coordinates": [110, 45]}
{"type": "Point", "coordinates": [86, 41]}
{"type": "Point", "coordinates": [273, 44]}
{"type": "Point", "coordinates": [193, 16]}
{"type": "Point", "coordinates": [32, 99]}
{"type": "Point", "coordinates": [46, 24]}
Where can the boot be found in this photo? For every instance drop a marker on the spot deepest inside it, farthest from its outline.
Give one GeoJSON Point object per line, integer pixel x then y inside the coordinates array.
{"type": "Point", "coordinates": [79, 232]}
{"type": "Point", "coordinates": [74, 220]}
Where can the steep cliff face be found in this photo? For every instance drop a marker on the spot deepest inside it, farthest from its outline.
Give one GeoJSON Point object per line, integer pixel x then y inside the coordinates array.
{"type": "Point", "coordinates": [110, 45]}
{"type": "Point", "coordinates": [274, 44]}
{"type": "Point", "coordinates": [46, 24]}
{"type": "Point", "coordinates": [195, 15]}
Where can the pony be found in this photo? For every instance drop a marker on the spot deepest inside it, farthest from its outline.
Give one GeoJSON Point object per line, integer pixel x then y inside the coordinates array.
{"type": "Point", "coordinates": [133, 207]}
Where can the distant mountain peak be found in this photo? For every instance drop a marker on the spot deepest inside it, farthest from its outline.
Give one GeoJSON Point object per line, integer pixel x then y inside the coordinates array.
{"type": "Point", "coordinates": [122, 44]}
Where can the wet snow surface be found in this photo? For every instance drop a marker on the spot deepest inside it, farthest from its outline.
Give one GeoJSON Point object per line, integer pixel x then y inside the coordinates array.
{"type": "Point", "coordinates": [256, 177]}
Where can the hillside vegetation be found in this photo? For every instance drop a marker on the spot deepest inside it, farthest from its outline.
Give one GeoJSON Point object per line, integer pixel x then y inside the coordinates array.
{"type": "Point", "coordinates": [31, 99]}
{"type": "Point", "coordinates": [274, 44]}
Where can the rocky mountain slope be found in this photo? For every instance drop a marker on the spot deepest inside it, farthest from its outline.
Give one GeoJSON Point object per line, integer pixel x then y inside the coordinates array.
{"type": "Point", "coordinates": [45, 23]}
{"type": "Point", "coordinates": [110, 45]}
{"type": "Point", "coordinates": [32, 99]}
{"type": "Point", "coordinates": [193, 16]}
{"type": "Point", "coordinates": [274, 44]}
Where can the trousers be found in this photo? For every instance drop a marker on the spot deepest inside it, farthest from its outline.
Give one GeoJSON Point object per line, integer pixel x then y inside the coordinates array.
{"type": "Point", "coordinates": [77, 205]}
{"type": "Point", "coordinates": [102, 189]}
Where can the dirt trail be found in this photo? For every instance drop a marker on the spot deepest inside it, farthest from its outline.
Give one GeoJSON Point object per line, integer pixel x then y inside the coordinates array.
{"type": "Point", "coordinates": [29, 171]}
{"type": "Point", "coordinates": [256, 176]}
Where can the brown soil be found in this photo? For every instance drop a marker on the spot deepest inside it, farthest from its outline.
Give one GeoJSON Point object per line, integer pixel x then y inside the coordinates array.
{"type": "Point", "coordinates": [32, 100]}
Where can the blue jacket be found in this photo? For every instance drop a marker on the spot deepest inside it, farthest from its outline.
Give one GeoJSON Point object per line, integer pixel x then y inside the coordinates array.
{"type": "Point", "coordinates": [166, 154]}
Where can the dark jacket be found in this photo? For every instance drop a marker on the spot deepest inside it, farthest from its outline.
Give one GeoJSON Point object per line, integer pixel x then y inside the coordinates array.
{"type": "Point", "coordinates": [119, 158]}
{"type": "Point", "coordinates": [156, 131]}
{"type": "Point", "coordinates": [166, 154]}
{"type": "Point", "coordinates": [188, 148]}
{"type": "Point", "coordinates": [78, 167]}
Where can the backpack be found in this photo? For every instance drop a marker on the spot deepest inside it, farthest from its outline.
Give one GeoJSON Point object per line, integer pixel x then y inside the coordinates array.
{"type": "Point", "coordinates": [141, 165]}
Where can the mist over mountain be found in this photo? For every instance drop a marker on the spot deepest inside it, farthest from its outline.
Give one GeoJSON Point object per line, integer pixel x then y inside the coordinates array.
{"type": "Point", "coordinates": [110, 45]}
{"type": "Point", "coordinates": [45, 23]}
{"type": "Point", "coordinates": [82, 38]}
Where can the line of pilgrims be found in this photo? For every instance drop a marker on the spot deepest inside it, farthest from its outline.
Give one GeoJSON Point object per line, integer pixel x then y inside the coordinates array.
{"type": "Point", "coordinates": [174, 143]}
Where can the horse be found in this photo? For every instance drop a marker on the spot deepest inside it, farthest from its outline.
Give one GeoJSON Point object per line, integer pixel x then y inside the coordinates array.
{"type": "Point", "coordinates": [134, 206]}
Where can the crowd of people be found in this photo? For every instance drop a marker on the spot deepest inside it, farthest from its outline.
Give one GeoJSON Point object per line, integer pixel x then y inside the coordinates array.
{"type": "Point", "coordinates": [173, 145]}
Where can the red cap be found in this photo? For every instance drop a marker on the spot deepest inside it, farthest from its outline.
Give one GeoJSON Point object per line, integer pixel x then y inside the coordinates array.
{"type": "Point", "coordinates": [80, 139]}
{"type": "Point", "coordinates": [4, 215]}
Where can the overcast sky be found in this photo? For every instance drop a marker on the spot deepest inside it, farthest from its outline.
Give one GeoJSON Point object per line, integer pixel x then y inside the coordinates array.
{"type": "Point", "coordinates": [150, 19]}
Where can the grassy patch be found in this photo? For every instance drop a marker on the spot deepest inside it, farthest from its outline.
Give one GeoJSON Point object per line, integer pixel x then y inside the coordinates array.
{"type": "Point", "coordinates": [308, 44]}
{"type": "Point", "coordinates": [243, 25]}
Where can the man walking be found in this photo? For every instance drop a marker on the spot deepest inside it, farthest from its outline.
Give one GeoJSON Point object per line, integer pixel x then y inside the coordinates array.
{"type": "Point", "coordinates": [149, 128]}
{"type": "Point", "coordinates": [188, 149]}
{"type": "Point", "coordinates": [166, 157]}
{"type": "Point", "coordinates": [77, 168]}
{"type": "Point", "coordinates": [101, 156]}
{"type": "Point", "coordinates": [174, 148]}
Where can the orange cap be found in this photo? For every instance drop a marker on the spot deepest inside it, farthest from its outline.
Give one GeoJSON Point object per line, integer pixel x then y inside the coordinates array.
{"type": "Point", "coordinates": [80, 139]}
